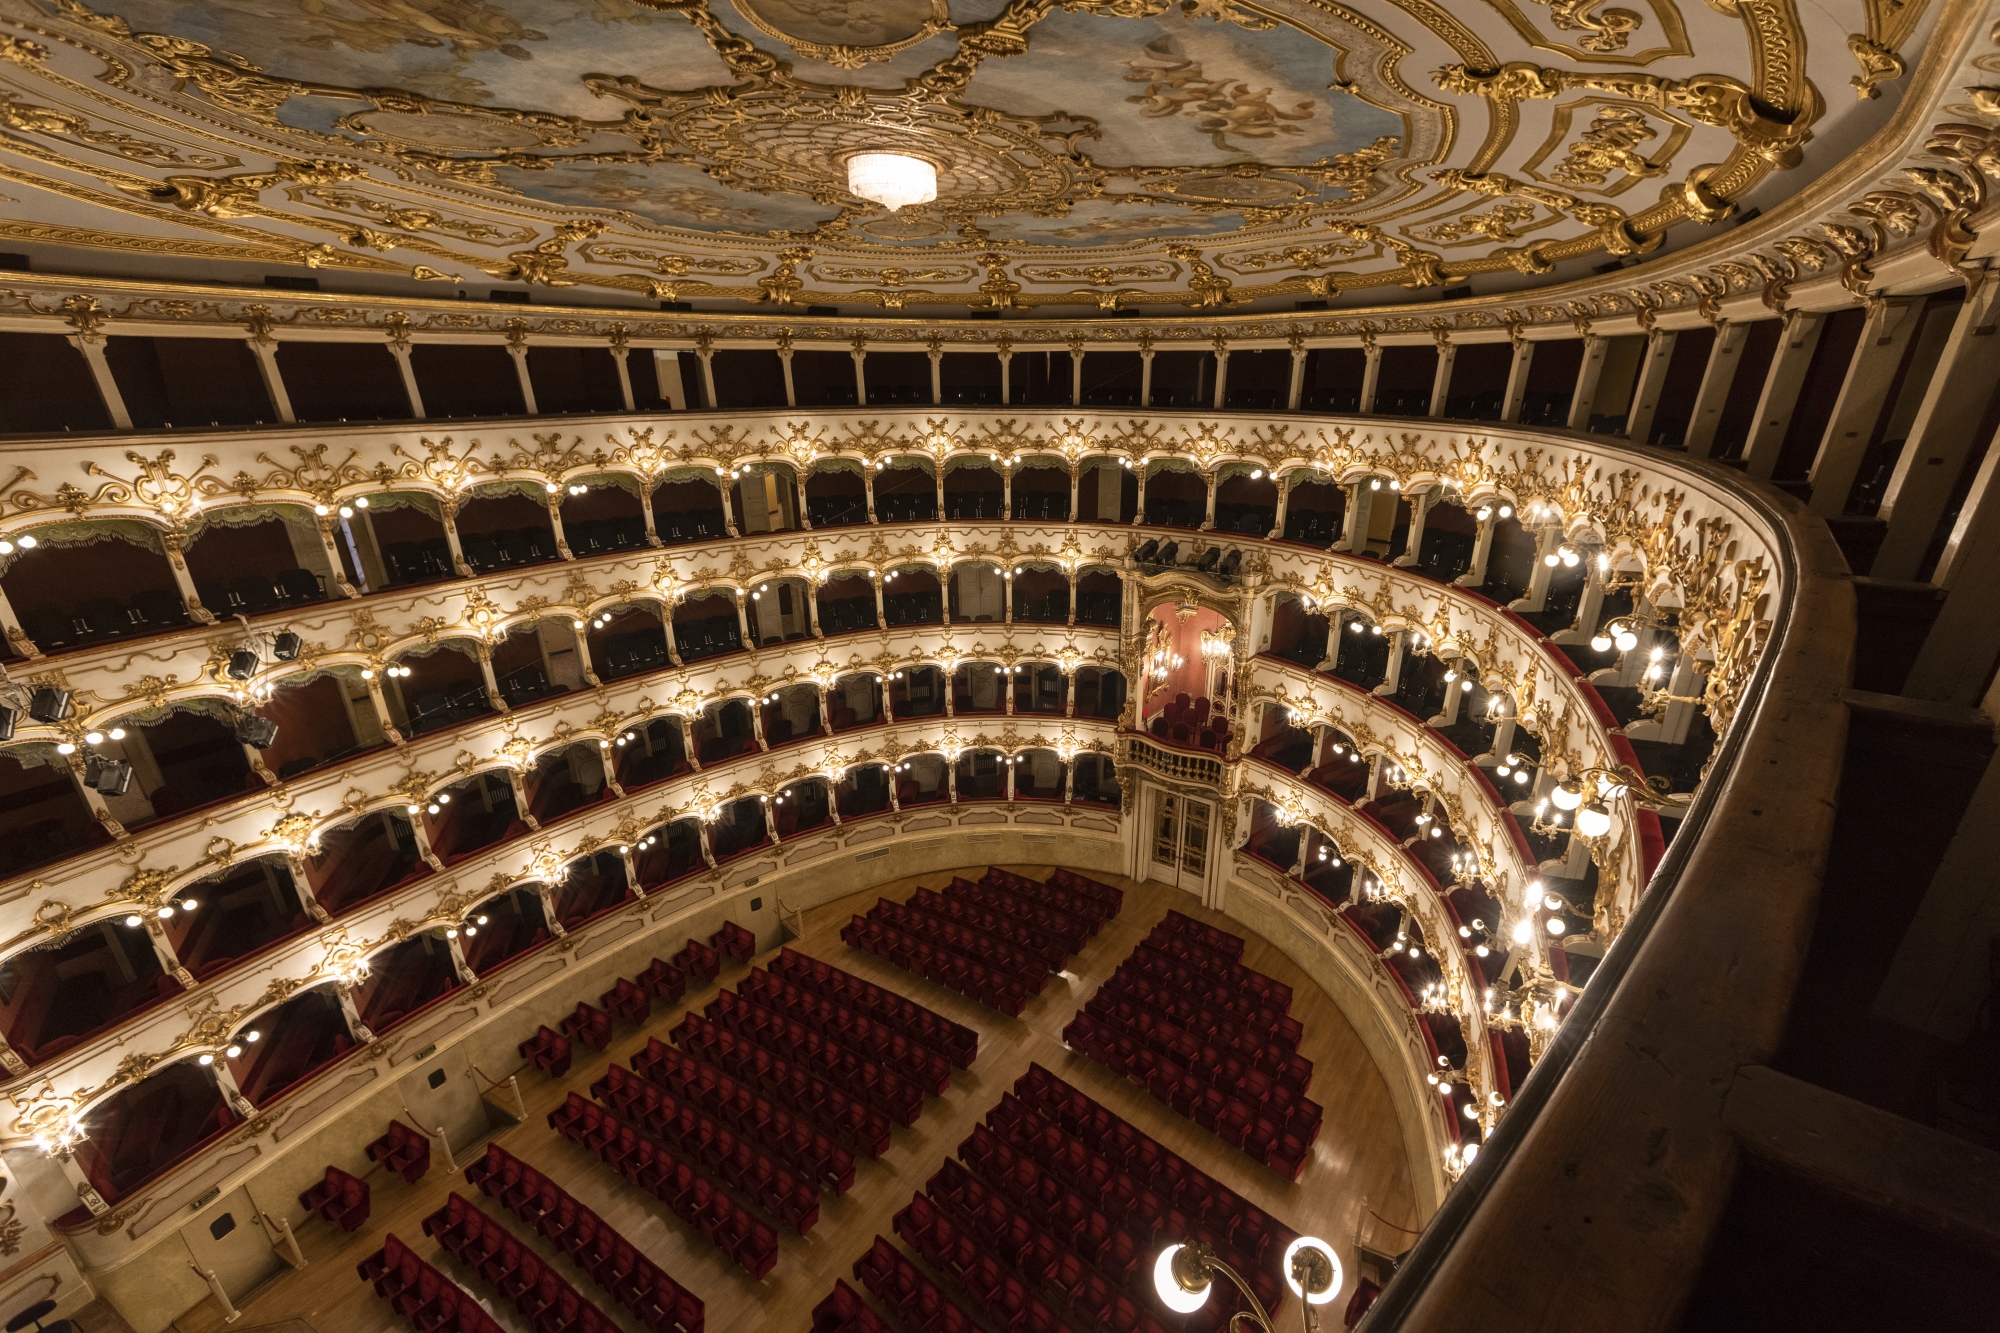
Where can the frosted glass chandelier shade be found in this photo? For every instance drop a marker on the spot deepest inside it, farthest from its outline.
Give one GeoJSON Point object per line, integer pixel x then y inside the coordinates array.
{"type": "Point", "coordinates": [891, 179]}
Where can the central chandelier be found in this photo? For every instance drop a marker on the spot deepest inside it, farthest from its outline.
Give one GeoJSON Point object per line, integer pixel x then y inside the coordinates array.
{"type": "Point", "coordinates": [893, 180]}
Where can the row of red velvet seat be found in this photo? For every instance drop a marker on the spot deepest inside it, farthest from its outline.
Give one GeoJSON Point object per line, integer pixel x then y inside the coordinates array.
{"type": "Point", "coordinates": [1216, 967]}
{"type": "Point", "coordinates": [632, 998]}
{"type": "Point", "coordinates": [1267, 1076]}
{"type": "Point", "coordinates": [994, 1290]}
{"type": "Point", "coordinates": [951, 970]}
{"type": "Point", "coordinates": [1233, 1220]}
{"type": "Point", "coordinates": [1202, 935]}
{"type": "Point", "coordinates": [911, 1296]}
{"type": "Point", "coordinates": [1052, 1233]}
{"type": "Point", "coordinates": [789, 1138]}
{"type": "Point", "coordinates": [1064, 878]}
{"type": "Point", "coordinates": [1025, 969]}
{"type": "Point", "coordinates": [428, 1300]}
{"type": "Point", "coordinates": [1230, 1118]}
{"type": "Point", "coordinates": [405, 1151]}
{"type": "Point", "coordinates": [540, 1293]}
{"type": "Point", "coordinates": [1252, 1040]}
{"type": "Point", "coordinates": [1012, 929]}
{"type": "Point", "coordinates": [955, 1042]}
{"type": "Point", "coordinates": [735, 1159]}
{"type": "Point", "coordinates": [875, 1084]}
{"type": "Point", "coordinates": [851, 1121]}
{"type": "Point", "coordinates": [692, 1197]}
{"type": "Point", "coordinates": [907, 1056]}
{"type": "Point", "coordinates": [1068, 933]}
{"type": "Point", "coordinates": [1063, 891]}
{"type": "Point", "coordinates": [641, 1286]}
{"type": "Point", "coordinates": [517, 1273]}
{"type": "Point", "coordinates": [1222, 999]}
{"type": "Point", "coordinates": [845, 1312]}
{"type": "Point", "coordinates": [959, 1218]}
{"type": "Point", "coordinates": [1249, 1092]}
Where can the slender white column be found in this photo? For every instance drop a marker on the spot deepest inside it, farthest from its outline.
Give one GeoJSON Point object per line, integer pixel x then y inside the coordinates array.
{"type": "Point", "coordinates": [1780, 396]}
{"type": "Point", "coordinates": [493, 695]}
{"type": "Point", "coordinates": [265, 352]}
{"type": "Point", "coordinates": [1284, 498]}
{"type": "Point", "coordinates": [1652, 380]}
{"type": "Point", "coordinates": [1724, 355]}
{"type": "Point", "coordinates": [707, 374]}
{"type": "Point", "coordinates": [183, 580]}
{"type": "Point", "coordinates": [1517, 380]}
{"type": "Point", "coordinates": [937, 378]}
{"type": "Point", "coordinates": [556, 527]}
{"type": "Point", "coordinates": [556, 927]}
{"type": "Point", "coordinates": [646, 511]}
{"type": "Point", "coordinates": [1441, 380]}
{"type": "Point", "coordinates": [92, 347]}
{"type": "Point", "coordinates": [351, 1014]}
{"type": "Point", "coordinates": [1297, 389]}
{"type": "Point", "coordinates": [1940, 437]}
{"type": "Point", "coordinates": [1413, 540]}
{"type": "Point", "coordinates": [519, 351]}
{"type": "Point", "coordinates": [1360, 517]}
{"type": "Point", "coordinates": [1145, 377]}
{"type": "Point", "coordinates": [860, 355]}
{"type": "Point", "coordinates": [1674, 722]}
{"type": "Point", "coordinates": [73, 1172]}
{"type": "Point", "coordinates": [1371, 377]}
{"type": "Point", "coordinates": [667, 625]}
{"type": "Point", "coordinates": [1482, 550]}
{"type": "Point", "coordinates": [619, 362]}
{"type": "Point", "coordinates": [583, 657]}
{"type": "Point", "coordinates": [1221, 375]}
{"type": "Point", "coordinates": [10, 625]}
{"type": "Point", "coordinates": [1584, 400]}
{"type": "Point", "coordinates": [667, 373]}
{"type": "Point", "coordinates": [324, 526]}
{"type": "Point", "coordinates": [1538, 581]}
{"type": "Point", "coordinates": [408, 371]}
{"type": "Point", "coordinates": [1392, 679]}
{"type": "Point", "coordinates": [1885, 336]}
{"type": "Point", "coordinates": [785, 364]}
{"type": "Point", "coordinates": [722, 484]}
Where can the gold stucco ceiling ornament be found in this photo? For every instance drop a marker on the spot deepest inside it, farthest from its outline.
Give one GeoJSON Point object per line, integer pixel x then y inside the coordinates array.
{"type": "Point", "coordinates": [1773, 134]}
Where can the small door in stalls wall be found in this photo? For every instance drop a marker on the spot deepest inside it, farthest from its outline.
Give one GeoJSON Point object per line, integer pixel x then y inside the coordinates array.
{"type": "Point", "coordinates": [226, 1238]}
{"type": "Point", "coordinates": [442, 1091]}
{"type": "Point", "coordinates": [1180, 842]}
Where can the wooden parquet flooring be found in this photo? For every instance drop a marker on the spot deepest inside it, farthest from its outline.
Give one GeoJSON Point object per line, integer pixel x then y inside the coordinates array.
{"type": "Point", "coordinates": [1359, 1154]}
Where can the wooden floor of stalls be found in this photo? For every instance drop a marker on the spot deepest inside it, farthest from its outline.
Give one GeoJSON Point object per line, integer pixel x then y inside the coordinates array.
{"type": "Point", "coordinates": [1358, 1157]}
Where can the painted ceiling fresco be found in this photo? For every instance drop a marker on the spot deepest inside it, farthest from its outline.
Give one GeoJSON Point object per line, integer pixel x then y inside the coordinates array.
{"type": "Point", "coordinates": [1107, 153]}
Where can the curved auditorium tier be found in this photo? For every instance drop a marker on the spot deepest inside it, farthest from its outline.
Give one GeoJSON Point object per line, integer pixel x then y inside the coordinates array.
{"type": "Point", "coordinates": [1395, 729]}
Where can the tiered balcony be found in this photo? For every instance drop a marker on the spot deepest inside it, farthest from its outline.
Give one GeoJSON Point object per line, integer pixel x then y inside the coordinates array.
{"type": "Point", "coordinates": [554, 679]}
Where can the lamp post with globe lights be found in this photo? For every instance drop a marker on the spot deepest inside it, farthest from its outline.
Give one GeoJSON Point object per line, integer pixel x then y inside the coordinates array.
{"type": "Point", "coordinates": [1184, 1274]}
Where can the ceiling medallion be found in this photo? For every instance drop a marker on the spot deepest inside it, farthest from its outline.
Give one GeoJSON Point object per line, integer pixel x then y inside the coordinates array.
{"type": "Point", "coordinates": [848, 36]}
{"type": "Point", "coordinates": [893, 180]}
